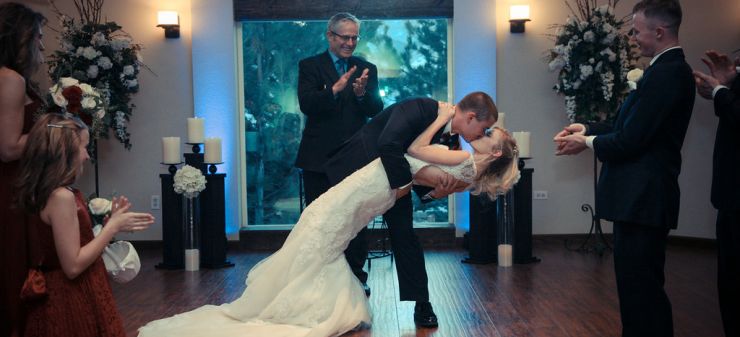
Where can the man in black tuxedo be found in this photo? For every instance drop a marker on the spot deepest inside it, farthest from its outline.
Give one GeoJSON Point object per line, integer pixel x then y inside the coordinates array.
{"type": "Point", "coordinates": [338, 93]}
{"type": "Point", "coordinates": [387, 136]}
{"type": "Point", "coordinates": [641, 154]}
{"type": "Point", "coordinates": [723, 86]}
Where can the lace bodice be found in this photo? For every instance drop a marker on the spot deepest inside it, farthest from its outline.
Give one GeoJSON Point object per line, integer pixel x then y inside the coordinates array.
{"type": "Point", "coordinates": [464, 171]}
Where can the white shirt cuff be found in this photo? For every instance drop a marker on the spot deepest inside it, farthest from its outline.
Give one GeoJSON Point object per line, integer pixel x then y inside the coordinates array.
{"type": "Point", "coordinates": [717, 88]}
{"type": "Point", "coordinates": [590, 142]}
{"type": "Point", "coordinates": [404, 186]}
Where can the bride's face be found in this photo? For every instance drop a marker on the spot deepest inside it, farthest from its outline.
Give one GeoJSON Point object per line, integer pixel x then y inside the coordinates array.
{"type": "Point", "coordinates": [489, 144]}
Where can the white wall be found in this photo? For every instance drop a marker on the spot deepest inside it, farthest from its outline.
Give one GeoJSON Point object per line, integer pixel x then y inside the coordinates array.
{"type": "Point", "coordinates": [510, 65]}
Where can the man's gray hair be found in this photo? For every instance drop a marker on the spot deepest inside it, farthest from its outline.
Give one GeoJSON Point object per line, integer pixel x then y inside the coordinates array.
{"type": "Point", "coordinates": [338, 18]}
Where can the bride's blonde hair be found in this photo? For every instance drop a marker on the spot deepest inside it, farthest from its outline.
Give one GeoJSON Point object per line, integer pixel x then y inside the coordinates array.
{"type": "Point", "coordinates": [498, 175]}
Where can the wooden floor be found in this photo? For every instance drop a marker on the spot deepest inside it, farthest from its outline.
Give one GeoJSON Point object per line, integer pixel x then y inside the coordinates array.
{"type": "Point", "coordinates": [567, 294]}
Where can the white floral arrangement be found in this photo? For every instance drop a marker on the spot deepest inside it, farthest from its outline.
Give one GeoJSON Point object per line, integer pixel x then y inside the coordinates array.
{"type": "Point", "coordinates": [592, 57]}
{"type": "Point", "coordinates": [103, 55]}
{"type": "Point", "coordinates": [634, 76]}
{"type": "Point", "coordinates": [70, 96]}
{"type": "Point", "coordinates": [189, 181]}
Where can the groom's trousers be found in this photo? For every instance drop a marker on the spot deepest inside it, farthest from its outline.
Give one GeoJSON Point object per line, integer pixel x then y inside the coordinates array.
{"type": "Point", "coordinates": [639, 261]}
{"type": "Point", "coordinates": [409, 257]}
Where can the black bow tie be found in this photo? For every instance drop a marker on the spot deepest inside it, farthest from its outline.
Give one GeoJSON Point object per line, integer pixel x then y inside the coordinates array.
{"type": "Point", "coordinates": [451, 141]}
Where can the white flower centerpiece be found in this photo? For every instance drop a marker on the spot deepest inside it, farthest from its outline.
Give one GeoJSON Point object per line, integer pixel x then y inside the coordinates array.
{"type": "Point", "coordinates": [103, 55]}
{"type": "Point", "coordinates": [592, 57]}
{"type": "Point", "coordinates": [189, 181]}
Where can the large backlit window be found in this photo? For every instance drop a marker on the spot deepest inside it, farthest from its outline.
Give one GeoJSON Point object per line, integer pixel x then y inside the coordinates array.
{"type": "Point", "coordinates": [411, 56]}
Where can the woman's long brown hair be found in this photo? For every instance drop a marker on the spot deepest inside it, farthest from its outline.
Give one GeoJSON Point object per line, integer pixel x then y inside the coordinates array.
{"type": "Point", "coordinates": [49, 160]}
{"type": "Point", "coordinates": [19, 30]}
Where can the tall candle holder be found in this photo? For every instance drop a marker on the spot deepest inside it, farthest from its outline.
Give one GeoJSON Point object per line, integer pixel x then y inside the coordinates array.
{"type": "Point", "coordinates": [505, 213]}
{"type": "Point", "coordinates": [172, 167]}
{"type": "Point", "coordinates": [191, 233]}
{"type": "Point", "coordinates": [212, 169]}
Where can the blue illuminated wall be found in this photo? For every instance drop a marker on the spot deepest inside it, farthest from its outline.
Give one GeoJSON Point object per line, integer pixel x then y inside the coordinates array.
{"type": "Point", "coordinates": [474, 67]}
{"type": "Point", "coordinates": [215, 90]}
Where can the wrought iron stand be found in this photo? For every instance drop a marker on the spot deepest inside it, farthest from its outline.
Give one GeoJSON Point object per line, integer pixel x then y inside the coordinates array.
{"type": "Point", "coordinates": [601, 243]}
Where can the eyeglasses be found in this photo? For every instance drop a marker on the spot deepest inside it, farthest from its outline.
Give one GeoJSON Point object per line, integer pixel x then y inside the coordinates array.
{"type": "Point", "coordinates": [346, 38]}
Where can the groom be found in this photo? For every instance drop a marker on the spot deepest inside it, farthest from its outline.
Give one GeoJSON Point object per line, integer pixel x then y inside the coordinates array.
{"type": "Point", "coordinates": [387, 136]}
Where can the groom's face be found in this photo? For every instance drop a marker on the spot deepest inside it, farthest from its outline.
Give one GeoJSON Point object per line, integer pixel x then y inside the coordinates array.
{"type": "Point", "coordinates": [465, 124]}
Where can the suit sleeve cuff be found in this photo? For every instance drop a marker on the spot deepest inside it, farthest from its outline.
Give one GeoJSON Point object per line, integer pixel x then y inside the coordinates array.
{"type": "Point", "coordinates": [590, 142]}
{"type": "Point", "coordinates": [718, 88]}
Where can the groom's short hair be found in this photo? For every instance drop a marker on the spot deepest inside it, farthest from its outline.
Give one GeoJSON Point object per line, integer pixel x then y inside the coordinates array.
{"type": "Point", "coordinates": [481, 104]}
{"type": "Point", "coordinates": [668, 12]}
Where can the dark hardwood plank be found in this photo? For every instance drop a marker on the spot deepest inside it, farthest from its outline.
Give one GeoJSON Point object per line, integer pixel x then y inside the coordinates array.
{"type": "Point", "coordinates": [567, 294]}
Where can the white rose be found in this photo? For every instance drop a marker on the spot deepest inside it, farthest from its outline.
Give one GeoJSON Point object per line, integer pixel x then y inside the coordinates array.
{"type": "Point", "coordinates": [632, 85]}
{"type": "Point", "coordinates": [99, 206]}
{"type": "Point", "coordinates": [586, 71]}
{"type": "Point", "coordinates": [68, 81]}
{"type": "Point", "coordinates": [634, 75]}
{"type": "Point", "coordinates": [588, 36]}
{"type": "Point", "coordinates": [88, 102]}
{"type": "Point", "coordinates": [92, 71]}
{"type": "Point", "coordinates": [100, 114]}
{"type": "Point", "coordinates": [132, 83]}
{"type": "Point", "coordinates": [58, 98]}
{"type": "Point", "coordinates": [128, 70]}
{"type": "Point", "coordinates": [105, 63]}
{"type": "Point", "coordinates": [89, 53]}
{"type": "Point", "coordinates": [87, 89]}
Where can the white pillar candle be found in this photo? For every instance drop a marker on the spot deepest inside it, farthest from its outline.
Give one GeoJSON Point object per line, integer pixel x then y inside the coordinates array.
{"type": "Point", "coordinates": [500, 121]}
{"type": "Point", "coordinates": [170, 150]}
{"type": "Point", "coordinates": [192, 259]}
{"type": "Point", "coordinates": [522, 142]}
{"type": "Point", "coordinates": [195, 130]}
{"type": "Point", "coordinates": [213, 150]}
{"type": "Point", "coordinates": [504, 255]}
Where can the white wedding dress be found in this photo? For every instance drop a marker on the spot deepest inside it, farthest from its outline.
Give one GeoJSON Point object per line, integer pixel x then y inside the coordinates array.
{"type": "Point", "coordinates": [305, 289]}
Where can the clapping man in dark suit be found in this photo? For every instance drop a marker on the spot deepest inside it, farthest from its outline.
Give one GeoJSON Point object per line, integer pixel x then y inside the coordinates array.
{"type": "Point", "coordinates": [387, 136]}
{"type": "Point", "coordinates": [723, 86]}
{"type": "Point", "coordinates": [641, 155]}
{"type": "Point", "coordinates": [338, 93]}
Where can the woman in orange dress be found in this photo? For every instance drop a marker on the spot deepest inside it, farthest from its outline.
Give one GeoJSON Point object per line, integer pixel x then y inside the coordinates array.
{"type": "Point", "coordinates": [79, 302]}
{"type": "Point", "coordinates": [20, 57]}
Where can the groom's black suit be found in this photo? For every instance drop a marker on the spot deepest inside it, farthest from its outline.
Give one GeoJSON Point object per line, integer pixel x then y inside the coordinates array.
{"type": "Point", "coordinates": [387, 136]}
{"type": "Point", "coordinates": [638, 188]}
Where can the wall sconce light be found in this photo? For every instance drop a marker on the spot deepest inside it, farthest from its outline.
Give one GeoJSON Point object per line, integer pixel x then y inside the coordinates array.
{"type": "Point", "coordinates": [518, 15]}
{"type": "Point", "coordinates": [170, 22]}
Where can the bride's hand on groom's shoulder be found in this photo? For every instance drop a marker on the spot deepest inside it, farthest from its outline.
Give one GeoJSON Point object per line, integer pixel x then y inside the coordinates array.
{"type": "Point", "coordinates": [446, 111]}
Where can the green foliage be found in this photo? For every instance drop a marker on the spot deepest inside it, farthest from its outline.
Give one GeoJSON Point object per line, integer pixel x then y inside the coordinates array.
{"type": "Point", "coordinates": [411, 57]}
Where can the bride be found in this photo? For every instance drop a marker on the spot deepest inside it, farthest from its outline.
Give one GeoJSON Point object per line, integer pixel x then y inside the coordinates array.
{"type": "Point", "coordinates": [306, 288]}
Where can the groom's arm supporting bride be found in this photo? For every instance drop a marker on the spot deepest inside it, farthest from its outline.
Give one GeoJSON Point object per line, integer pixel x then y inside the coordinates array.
{"type": "Point", "coordinates": [387, 136]}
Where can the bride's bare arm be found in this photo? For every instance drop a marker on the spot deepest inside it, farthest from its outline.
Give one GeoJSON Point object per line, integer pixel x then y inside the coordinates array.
{"type": "Point", "coordinates": [422, 149]}
{"type": "Point", "coordinates": [432, 176]}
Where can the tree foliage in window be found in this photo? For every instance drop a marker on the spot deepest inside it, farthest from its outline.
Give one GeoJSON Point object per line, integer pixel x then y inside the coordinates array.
{"type": "Point", "coordinates": [411, 56]}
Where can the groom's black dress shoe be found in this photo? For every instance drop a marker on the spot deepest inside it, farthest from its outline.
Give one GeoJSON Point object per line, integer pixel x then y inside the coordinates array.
{"type": "Point", "coordinates": [366, 288]}
{"type": "Point", "coordinates": [424, 315]}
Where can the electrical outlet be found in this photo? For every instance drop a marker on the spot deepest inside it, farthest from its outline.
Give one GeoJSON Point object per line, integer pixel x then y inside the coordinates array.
{"type": "Point", "coordinates": [156, 202]}
{"type": "Point", "coordinates": [539, 195]}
